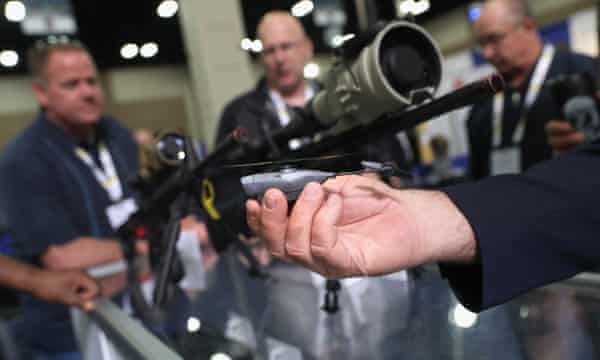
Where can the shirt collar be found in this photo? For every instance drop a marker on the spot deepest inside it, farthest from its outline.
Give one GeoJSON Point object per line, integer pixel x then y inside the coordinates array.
{"type": "Point", "coordinates": [55, 131]}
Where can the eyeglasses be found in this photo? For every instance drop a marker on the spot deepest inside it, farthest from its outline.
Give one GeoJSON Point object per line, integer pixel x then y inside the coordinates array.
{"type": "Point", "coordinates": [493, 39]}
{"type": "Point", "coordinates": [285, 46]}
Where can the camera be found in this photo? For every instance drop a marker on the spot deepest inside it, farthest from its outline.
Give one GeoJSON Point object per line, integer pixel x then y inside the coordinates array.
{"type": "Point", "coordinates": [575, 95]}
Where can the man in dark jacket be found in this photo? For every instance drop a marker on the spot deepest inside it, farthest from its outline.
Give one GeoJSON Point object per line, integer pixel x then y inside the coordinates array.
{"type": "Point", "coordinates": [506, 134]}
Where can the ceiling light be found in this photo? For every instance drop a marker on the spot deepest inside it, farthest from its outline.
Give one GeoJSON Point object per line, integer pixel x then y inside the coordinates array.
{"type": "Point", "coordinates": [257, 46]}
{"type": "Point", "coordinates": [421, 7]}
{"type": "Point", "coordinates": [302, 8]}
{"type": "Point", "coordinates": [167, 8]}
{"type": "Point", "coordinates": [9, 58]}
{"type": "Point", "coordinates": [15, 11]}
{"type": "Point", "coordinates": [129, 51]}
{"type": "Point", "coordinates": [311, 70]}
{"type": "Point", "coordinates": [413, 7]}
{"type": "Point", "coordinates": [149, 49]}
{"type": "Point", "coordinates": [246, 44]}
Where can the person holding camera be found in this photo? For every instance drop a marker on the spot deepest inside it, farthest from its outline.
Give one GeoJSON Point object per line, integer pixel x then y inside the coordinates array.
{"type": "Point", "coordinates": [507, 133]}
{"type": "Point", "coordinates": [563, 136]}
{"type": "Point", "coordinates": [566, 134]}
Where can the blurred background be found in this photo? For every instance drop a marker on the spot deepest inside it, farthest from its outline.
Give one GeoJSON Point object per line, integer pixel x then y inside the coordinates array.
{"type": "Point", "coordinates": [174, 64]}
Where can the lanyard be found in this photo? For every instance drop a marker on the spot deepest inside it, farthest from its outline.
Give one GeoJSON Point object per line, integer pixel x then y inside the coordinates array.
{"type": "Point", "coordinates": [281, 107]}
{"type": "Point", "coordinates": [535, 86]}
{"type": "Point", "coordinates": [108, 178]}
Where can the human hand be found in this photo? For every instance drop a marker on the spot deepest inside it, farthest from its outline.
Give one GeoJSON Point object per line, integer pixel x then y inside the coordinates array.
{"type": "Point", "coordinates": [356, 226]}
{"type": "Point", "coordinates": [68, 287]}
{"type": "Point", "coordinates": [562, 136]}
{"type": "Point", "coordinates": [350, 226]}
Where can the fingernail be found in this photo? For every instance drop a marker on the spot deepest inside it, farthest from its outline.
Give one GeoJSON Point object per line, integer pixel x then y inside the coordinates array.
{"type": "Point", "coordinates": [270, 202]}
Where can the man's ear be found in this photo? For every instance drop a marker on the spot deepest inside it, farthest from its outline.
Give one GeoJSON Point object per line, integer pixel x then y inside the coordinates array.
{"type": "Point", "coordinates": [39, 91]}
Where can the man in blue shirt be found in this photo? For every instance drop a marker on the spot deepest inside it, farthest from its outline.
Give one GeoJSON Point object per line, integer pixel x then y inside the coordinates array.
{"type": "Point", "coordinates": [64, 184]}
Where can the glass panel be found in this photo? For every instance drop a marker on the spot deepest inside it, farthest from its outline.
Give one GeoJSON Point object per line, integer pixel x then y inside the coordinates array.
{"type": "Point", "coordinates": [411, 315]}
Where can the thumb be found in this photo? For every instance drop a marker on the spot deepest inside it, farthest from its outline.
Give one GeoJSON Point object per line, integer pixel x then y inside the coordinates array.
{"type": "Point", "coordinates": [85, 290]}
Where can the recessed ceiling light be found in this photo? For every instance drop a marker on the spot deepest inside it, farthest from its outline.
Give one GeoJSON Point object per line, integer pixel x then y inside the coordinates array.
{"type": "Point", "coordinates": [246, 44]}
{"type": "Point", "coordinates": [129, 51]}
{"type": "Point", "coordinates": [302, 8]}
{"type": "Point", "coordinates": [257, 46]}
{"type": "Point", "coordinates": [149, 50]}
{"type": "Point", "coordinates": [413, 7]}
{"type": "Point", "coordinates": [9, 58]}
{"type": "Point", "coordinates": [15, 11]}
{"type": "Point", "coordinates": [167, 8]}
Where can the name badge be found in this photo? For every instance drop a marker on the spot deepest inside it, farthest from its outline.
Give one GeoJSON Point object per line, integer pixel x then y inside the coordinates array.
{"type": "Point", "coordinates": [188, 248]}
{"type": "Point", "coordinates": [118, 213]}
{"type": "Point", "coordinates": [506, 161]}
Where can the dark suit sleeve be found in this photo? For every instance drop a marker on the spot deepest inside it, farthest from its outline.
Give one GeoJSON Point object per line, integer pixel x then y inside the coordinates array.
{"type": "Point", "coordinates": [475, 134]}
{"type": "Point", "coordinates": [531, 230]}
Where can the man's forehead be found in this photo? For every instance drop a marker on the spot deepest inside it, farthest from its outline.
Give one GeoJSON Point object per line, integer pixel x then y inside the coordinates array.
{"type": "Point", "coordinates": [493, 17]}
{"type": "Point", "coordinates": [65, 63]}
{"type": "Point", "coordinates": [279, 27]}
{"type": "Point", "coordinates": [68, 57]}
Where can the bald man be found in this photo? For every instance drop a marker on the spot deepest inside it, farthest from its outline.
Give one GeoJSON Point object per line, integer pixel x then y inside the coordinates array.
{"type": "Point", "coordinates": [265, 108]}
{"type": "Point", "coordinates": [286, 50]}
{"type": "Point", "coordinates": [506, 134]}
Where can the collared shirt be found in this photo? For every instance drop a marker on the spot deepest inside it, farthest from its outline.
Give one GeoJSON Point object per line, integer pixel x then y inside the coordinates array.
{"type": "Point", "coordinates": [534, 146]}
{"type": "Point", "coordinates": [51, 197]}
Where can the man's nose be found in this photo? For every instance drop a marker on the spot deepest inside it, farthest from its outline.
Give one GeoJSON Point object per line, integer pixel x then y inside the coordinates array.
{"type": "Point", "coordinates": [279, 55]}
{"type": "Point", "coordinates": [89, 90]}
